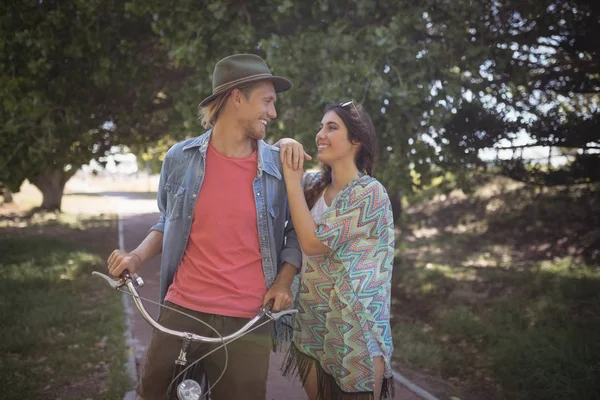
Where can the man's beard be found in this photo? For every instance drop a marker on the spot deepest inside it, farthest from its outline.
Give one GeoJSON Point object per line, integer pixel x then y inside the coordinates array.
{"type": "Point", "coordinates": [252, 130]}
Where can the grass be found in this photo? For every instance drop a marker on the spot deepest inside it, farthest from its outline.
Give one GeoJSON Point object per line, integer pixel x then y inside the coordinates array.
{"type": "Point", "coordinates": [498, 293]}
{"type": "Point", "coordinates": [62, 330]}
{"type": "Point", "coordinates": [42, 222]}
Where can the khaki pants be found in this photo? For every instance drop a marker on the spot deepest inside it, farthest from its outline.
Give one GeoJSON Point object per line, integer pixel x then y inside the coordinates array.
{"type": "Point", "coordinates": [247, 366]}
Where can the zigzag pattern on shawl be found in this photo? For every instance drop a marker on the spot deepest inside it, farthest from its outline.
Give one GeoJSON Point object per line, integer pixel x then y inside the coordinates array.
{"type": "Point", "coordinates": [339, 338]}
{"type": "Point", "coordinates": [345, 296]}
{"type": "Point", "coordinates": [369, 202]}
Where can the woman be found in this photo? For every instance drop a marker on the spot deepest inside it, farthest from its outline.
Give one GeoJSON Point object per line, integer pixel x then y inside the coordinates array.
{"type": "Point", "coordinates": [342, 341]}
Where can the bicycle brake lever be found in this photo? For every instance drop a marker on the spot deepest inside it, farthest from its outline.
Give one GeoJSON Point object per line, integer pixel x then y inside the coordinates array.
{"type": "Point", "coordinates": [113, 284]}
{"type": "Point", "coordinates": [276, 315]}
{"type": "Point", "coordinates": [136, 279]}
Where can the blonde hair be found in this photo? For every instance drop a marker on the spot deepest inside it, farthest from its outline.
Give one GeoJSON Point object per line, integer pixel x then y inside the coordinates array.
{"type": "Point", "coordinates": [208, 114]}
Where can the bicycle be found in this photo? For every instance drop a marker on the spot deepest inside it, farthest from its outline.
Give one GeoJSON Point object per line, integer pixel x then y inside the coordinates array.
{"type": "Point", "coordinates": [182, 386]}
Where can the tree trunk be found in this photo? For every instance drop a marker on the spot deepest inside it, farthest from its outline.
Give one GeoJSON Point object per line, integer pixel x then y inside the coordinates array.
{"type": "Point", "coordinates": [52, 186]}
{"type": "Point", "coordinates": [7, 196]}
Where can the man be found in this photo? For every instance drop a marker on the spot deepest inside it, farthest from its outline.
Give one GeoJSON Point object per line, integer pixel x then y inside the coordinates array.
{"type": "Point", "coordinates": [228, 244]}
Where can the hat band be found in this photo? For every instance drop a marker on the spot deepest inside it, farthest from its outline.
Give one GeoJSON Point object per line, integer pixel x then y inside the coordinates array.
{"type": "Point", "coordinates": [228, 85]}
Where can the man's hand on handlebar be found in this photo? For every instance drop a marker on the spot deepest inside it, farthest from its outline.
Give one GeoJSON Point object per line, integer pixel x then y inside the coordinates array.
{"type": "Point", "coordinates": [281, 295]}
{"type": "Point", "coordinates": [120, 261]}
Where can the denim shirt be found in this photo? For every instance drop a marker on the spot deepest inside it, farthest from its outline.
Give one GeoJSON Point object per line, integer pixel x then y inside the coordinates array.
{"type": "Point", "coordinates": [180, 182]}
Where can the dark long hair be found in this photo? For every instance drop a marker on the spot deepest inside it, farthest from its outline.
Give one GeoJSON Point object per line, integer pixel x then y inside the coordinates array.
{"type": "Point", "coordinates": [360, 130]}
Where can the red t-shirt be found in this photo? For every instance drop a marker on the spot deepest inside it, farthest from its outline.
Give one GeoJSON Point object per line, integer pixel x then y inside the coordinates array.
{"type": "Point", "coordinates": [221, 269]}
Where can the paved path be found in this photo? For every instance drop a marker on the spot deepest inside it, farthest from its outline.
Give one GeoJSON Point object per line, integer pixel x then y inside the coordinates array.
{"type": "Point", "coordinates": [134, 228]}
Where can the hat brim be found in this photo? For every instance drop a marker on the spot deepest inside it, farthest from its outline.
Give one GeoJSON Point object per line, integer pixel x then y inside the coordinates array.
{"type": "Point", "coordinates": [281, 85]}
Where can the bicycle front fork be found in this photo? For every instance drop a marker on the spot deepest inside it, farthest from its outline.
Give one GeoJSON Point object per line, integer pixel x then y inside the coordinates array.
{"type": "Point", "coordinates": [183, 387]}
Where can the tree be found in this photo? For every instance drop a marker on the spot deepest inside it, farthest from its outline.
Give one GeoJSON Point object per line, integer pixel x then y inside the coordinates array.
{"type": "Point", "coordinates": [332, 51]}
{"type": "Point", "coordinates": [7, 196]}
{"type": "Point", "coordinates": [541, 81]}
{"type": "Point", "coordinates": [76, 77]}
{"type": "Point", "coordinates": [442, 80]}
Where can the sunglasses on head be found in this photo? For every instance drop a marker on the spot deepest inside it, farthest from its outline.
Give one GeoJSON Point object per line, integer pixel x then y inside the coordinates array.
{"type": "Point", "coordinates": [347, 103]}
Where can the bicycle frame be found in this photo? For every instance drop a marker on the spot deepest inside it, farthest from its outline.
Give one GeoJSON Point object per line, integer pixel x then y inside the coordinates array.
{"type": "Point", "coordinates": [187, 389]}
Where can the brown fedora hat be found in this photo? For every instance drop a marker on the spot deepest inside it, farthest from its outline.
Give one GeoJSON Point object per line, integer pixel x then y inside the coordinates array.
{"type": "Point", "coordinates": [239, 70]}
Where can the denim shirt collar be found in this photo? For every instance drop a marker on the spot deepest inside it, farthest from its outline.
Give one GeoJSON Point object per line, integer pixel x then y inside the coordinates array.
{"type": "Point", "coordinates": [266, 162]}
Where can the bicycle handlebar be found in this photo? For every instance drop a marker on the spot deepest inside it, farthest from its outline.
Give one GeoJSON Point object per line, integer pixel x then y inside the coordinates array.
{"type": "Point", "coordinates": [130, 283]}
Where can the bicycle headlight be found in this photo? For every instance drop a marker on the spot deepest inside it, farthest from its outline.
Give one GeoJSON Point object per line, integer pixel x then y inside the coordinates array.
{"type": "Point", "coordinates": [189, 390]}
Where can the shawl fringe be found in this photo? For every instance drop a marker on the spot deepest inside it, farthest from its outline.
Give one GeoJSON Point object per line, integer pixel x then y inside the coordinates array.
{"type": "Point", "coordinates": [283, 332]}
{"type": "Point", "coordinates": [298, 364]}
